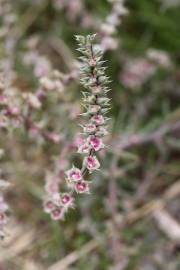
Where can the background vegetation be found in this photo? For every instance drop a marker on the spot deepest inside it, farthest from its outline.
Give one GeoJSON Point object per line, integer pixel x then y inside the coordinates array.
{"type": "Point", "coordinates": [131, 219]}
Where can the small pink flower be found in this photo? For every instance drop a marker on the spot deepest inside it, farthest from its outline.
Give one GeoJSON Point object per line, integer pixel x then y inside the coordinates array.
{"type": "Point", "coordinates": [101, 131]}
{"type": "Point", "coordinates": [34, 131]}
{"type": "Point", "coordinates": [48, 205]}
{"type": "Point", "coordinates": [95, 143]}
{"type": "Point", "coordinates": [78, 141]}
{"type": "Point", "coordinates": [74, 174]}
{"type": "Point", "coordinates": [3, 204]}
{"type": "Point", "coordinates": [57, 213]}
{"type": "Point", "coordinates": [98, 119]}
{"type": "Point", "coordinates": [14, 110]}
{"type": "Point", "coordinates": [84, 149]}
{"type": "Point", "coordinates": [54, 137]}
{"type": "Point", "coordinates": [3, 99]}
{"type": "Point", "coordinates": [93, 109]}
{"type": "Point", "coordinates": [82, 187]}
{"type": "Point", "coordinates": [90, 128]}
{"type": "Point", "coordinates": [52, 186]}
{"type": "Point", "coordinates": [66, 200]}
{"type": "Point", "coordinates": [92, 163]}
{"type": "Point", "coordinates": [42, 67]}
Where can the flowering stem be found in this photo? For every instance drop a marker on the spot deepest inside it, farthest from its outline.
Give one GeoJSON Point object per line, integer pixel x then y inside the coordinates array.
{"type": "Point", "coordinates": [93, 78]}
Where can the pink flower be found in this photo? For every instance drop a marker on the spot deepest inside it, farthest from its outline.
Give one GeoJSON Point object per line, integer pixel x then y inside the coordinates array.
{"type": "Point", "coordinates": [14, 111]}
{"type": "Point", "coordinates": [34, 131]}
{"type": "Point", "coordinates": [42, 67]}
{"type": "Point", "coordinates": [90, 128]}
{"type": "Point", "coordinates": [66, 200]}
{"type": "Point", "coordinates": [93, 109]}
{"type": "Point", "coordinates": [82, 187]}
{"type": "Point", "coordinates": [74, 174]}
{"type": "Point", "coordinates": [109, 43]}
{"type": "Point", "coordinates": [57, 213]}
{"type": "Point", "coordinates": [92, 163]}
{"type": "Point", "coordinates": [101, 131]}
{"type": "Point", "coordinates": [78, 141]}
{"type": "Point", "coordinates": [48, 205]}
{"type": "Point", "coordinates": [52, 186]}
{"type": "Point", "coordinates": [3, 99]}
{"type": "Point", "coordinates": [54, 137]}
{"type": "Point", "coordinates": [95, 143]}
{"type": "Point", "coordinates": [98, 119]}
{"type": "Point", "coordinates": [84, 149]}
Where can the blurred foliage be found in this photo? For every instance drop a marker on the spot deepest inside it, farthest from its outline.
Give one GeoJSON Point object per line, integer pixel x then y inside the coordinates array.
{"type": "Point", "coordinates": [141, 110]}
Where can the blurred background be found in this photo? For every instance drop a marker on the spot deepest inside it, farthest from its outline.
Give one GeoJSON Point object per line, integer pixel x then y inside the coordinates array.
{"type": "Point", "coordinates": [131, 219]}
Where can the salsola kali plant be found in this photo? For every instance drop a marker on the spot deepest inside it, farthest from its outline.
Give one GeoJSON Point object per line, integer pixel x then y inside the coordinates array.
{"type": "Point", "coordinates": [96, 103]}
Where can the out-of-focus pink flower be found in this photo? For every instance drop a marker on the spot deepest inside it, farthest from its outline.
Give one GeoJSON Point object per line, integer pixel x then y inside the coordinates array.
{"type": "Point", "coordinates": [3, 205]}
{"type": "Point", "coordinates": [42, 67]}
{"type": "Point", "coordinates": [109, 43]}
{"type": "Point", "coordinates": [33, 101]}
{"type": "Point", "coordinates": [107, 29]}
{"type": "Point", "coordinates": [159, 57]}
{"type": "Point", "coordinates": [78, 141]}
{"type": "Point", "coordinates": [34, 131]}
{"type": "Point", "coordinates": [52, 186]}
{"type": "Point", "coordinates": [47, 83]}
{"type": "Point", "coordinates": [53, 136]}
{"type": "Point", "coordinates": [84, 148]}
{"type": "Point", "coordinates": [3, 99]}
{"type": "Point", "coordinates": [13, 110]}
{"type": "Point", "coordinates": [136, 72]}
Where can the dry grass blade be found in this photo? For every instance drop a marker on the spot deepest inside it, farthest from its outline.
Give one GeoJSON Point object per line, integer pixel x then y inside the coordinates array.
{"type": "Point", "coordinates": [167, 224]}
{"type": "Point", "coordinates": [18, 241]}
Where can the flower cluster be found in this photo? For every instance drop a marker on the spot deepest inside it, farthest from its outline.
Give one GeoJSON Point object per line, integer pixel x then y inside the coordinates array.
{"type": "Point", "coordinates": [55, 203]}
{"type": "Point", "coordinates": [72, 8]}
{"type": "Point", "coordinates": [109, 27]}
{"type": "Point", "coordinates": [77, 11]}
{"type": "Point", "coordinates": [50, 79]}
{"type": "Point", "coordinates": [138, 71]}
{"type": "Point", "coordinates": [96, 103]}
